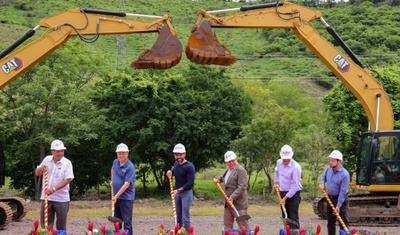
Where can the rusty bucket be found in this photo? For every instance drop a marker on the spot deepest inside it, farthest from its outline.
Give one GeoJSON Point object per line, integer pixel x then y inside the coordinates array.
{"type": "Point", "coordinates": [204, 47]}
{"type": "Point", "coordinates": [165, 53]}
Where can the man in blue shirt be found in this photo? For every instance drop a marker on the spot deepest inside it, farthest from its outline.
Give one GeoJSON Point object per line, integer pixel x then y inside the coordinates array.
{"type": "Point", "coordinates": [338, 180]}
{"type": "Point", "coordinates": [184, 172]}
{"type": "Point", "coordinates": [123, 177]}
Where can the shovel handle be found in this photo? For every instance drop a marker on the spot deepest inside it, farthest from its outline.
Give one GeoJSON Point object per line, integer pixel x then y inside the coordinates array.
{"type": "Point", "coordinates": [334, 211]}
{"type": "Point", "coordinates": [227, 198]}
{"type": "Point", "coordinates": [279, 195]}
{"type": "Point", "coordinates": [112, 202]}
{"type": "Point", "coordinates": [280, 199]}
{"type": "Point", "coordinates": [46, 197]}
{"type": "Point", "coordinates": [172, 198]}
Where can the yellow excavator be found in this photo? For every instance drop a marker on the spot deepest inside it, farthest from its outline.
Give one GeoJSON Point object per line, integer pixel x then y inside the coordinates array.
{"type": "Point", "coordinates": [379, 146]}
{"type": "Point", "coordinates": [87, 24]}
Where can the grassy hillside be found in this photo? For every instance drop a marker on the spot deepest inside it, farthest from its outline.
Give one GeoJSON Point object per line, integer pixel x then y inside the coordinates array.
{"type": "Point", "coordinates": [247, 44]}
{"type": "Point", "coordinates": [290, 60]}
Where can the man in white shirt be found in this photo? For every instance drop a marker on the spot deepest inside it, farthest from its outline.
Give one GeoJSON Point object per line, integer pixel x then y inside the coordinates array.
{"type": "Point", "coordinates": [60, 174]}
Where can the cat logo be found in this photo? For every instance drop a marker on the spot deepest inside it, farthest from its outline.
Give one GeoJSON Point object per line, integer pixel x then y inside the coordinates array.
{"type": "Point", "coordinates": [13, 64]}
{"type": "Point", "coordinates": [342, 64]}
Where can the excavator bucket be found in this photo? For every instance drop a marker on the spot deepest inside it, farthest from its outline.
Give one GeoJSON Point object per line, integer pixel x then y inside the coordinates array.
{"type": "Point", "coordinates": [204, 47]}
{"type": "Point", "coordinates": [165, 53]}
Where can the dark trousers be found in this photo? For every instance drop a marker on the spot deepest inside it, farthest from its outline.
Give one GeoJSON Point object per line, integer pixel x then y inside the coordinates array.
{"type": "Point", "coordinates": [124, 211]}
{"type": "Point", "coordinates": [292, 209]}
{"type": "Point", "coordinates": [55, 209]}
{"type": "Point", "coordinates": [344, 215]}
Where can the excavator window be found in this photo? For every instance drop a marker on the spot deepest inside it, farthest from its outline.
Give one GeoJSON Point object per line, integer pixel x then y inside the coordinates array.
{"type": "Point", "coordinates": [364, 148]}
{"type": "Point", "coordinates": [379, 159]}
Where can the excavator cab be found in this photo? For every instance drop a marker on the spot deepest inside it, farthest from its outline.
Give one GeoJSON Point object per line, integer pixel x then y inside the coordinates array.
{"type": "Point", "coordinates": [378, 161]}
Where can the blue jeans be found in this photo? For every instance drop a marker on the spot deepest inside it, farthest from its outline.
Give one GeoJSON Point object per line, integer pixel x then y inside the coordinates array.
{"type": "Point", "coordinates": [183, 201]}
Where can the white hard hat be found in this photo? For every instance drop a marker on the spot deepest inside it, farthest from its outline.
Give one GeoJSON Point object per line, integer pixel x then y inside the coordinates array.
{"type": "Point", "coordinates": [179, 148]}
{"type": "Point", "coordinates": [336, 154]}
{"type": "Point", "coordinates": [286, 152]}
{"type": "Point", "coordinates": [122, 148]}
{"type": "Point", "coordinates": [57, 145]}
{"type": "Point", "coordinates": [229, 156]}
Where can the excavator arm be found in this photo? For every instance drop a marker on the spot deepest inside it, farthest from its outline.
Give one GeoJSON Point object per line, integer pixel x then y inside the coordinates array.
{"type": "Point", "coordinates": [88, 24]}
{"type": "Point", "coordinates": [204, 47]}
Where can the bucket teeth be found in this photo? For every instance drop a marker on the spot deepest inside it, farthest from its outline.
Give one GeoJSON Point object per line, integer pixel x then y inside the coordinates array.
{"type": "Point", "coordinates": [204, 47]}
{"type": "Point", "coordinates": [165, 53]}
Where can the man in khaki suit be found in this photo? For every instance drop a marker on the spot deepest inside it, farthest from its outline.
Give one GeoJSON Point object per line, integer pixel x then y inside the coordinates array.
{"type": "Point", "coordinates": [235, 181]}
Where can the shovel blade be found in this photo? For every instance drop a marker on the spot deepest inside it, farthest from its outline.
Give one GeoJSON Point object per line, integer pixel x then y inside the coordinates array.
{"type": "Point", "coordinates": [243, 217]}
{"type": "Point", "coordinates": [204, 47]}
{"type": "Point", "coordinates": [292, 223]}
{"type": "Point", "coordinates": [165, 53]}
{"type": "Point", "coordinates": [114, 220]}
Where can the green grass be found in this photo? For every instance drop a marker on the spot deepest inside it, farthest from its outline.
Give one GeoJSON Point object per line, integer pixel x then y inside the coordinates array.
{"type": "Point", "coordinates": [98, 209]}
{"type": "Point", "coordinates": [209, 201]}
{"type": "Point", "coordinates": [7, 190]}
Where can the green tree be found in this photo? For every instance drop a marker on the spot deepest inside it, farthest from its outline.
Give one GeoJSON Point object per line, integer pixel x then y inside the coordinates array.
{"type": "Point", "coordinates": [151, 111]}
{"type": "Point", "coordinates": [280, 109]}
{"type": "Point", "coordinates": [348, 116]}
{"type": "Point", "coordinates": [48, 102]}
{"type": "Point", "coordinates": [261, 140]}
{"type": "Point", "coordinates": [313, 145]}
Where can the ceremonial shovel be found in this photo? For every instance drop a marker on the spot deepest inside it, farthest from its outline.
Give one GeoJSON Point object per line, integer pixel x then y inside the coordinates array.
{"type": "Point", "coordinates": [112, 218]}
{"type": "Point", "coordinates": [238, 217]}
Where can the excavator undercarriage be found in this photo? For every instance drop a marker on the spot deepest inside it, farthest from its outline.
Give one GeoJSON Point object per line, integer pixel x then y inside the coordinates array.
{"type": "Point", "coordinates": [366, 210]}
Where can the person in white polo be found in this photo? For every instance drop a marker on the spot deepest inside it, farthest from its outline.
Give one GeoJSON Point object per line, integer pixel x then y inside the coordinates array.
{"type": "Point", "coordinates": [60, 174]}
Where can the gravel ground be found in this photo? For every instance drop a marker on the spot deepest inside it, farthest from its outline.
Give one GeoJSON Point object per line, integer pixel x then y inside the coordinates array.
{"type": "Point", "coordinates": [203, 225]}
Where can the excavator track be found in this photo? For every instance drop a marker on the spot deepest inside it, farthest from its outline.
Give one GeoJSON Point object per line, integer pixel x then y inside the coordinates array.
{"type": "Point", "coordinates": [11, 209]}
{"type": "Point", "coordinates": [319, 205]}
{"type": "Point", "coordinates": [6, 215]}
{"type": "Point", "coordinates": [366, 210]}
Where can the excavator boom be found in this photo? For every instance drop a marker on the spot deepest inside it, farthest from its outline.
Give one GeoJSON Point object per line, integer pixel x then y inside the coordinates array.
{"type": "Point", "coordinates": [89, 24]}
